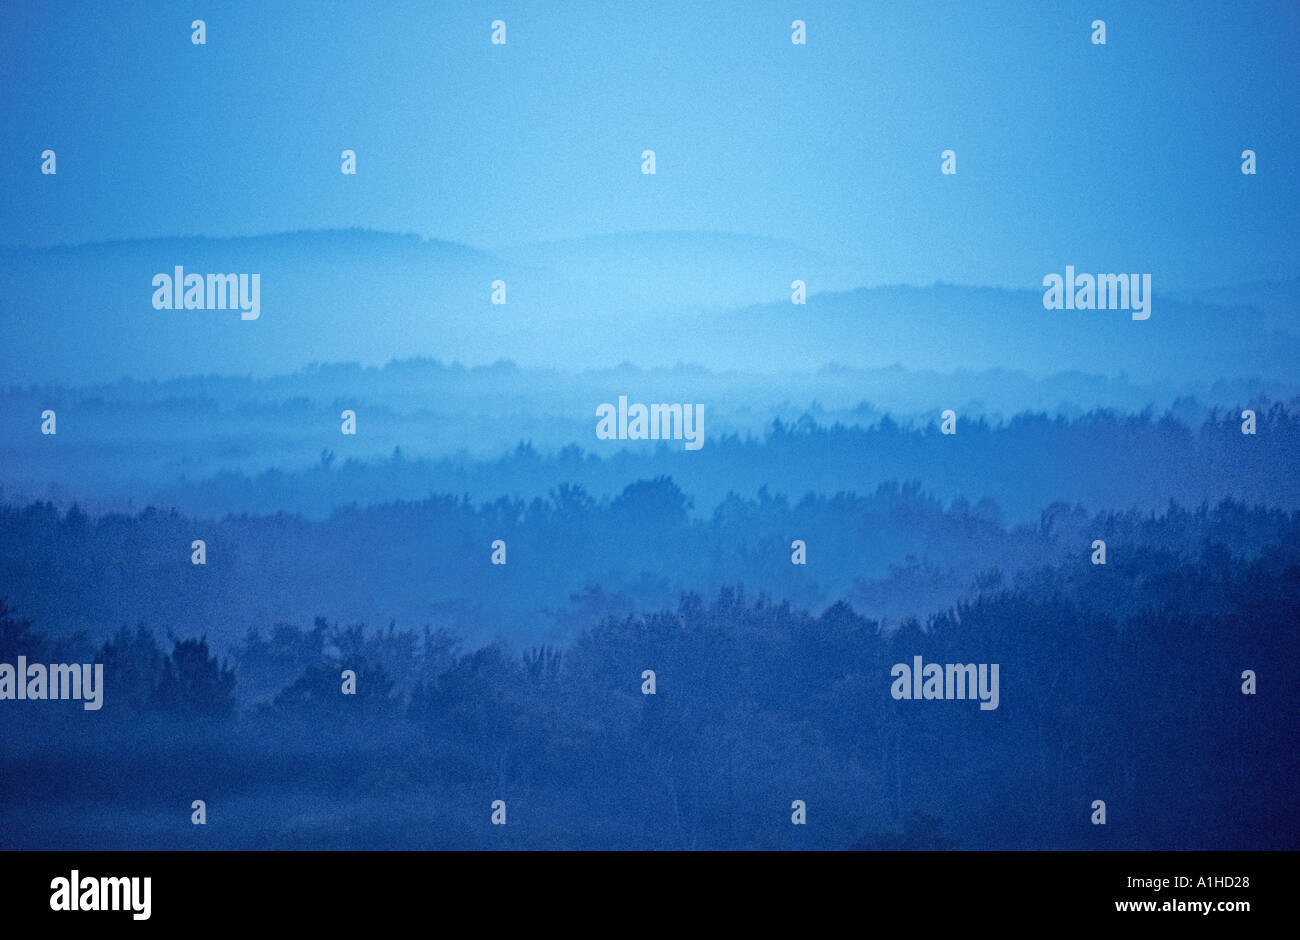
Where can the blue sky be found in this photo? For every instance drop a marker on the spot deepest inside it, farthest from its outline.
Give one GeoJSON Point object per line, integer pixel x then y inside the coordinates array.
{"type": "Point", "coordinates": [1115, 157]}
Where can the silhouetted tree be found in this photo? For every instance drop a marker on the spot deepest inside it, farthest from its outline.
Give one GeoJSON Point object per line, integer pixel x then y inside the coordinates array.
{"type": "Point", "coordinates": [193, 682]}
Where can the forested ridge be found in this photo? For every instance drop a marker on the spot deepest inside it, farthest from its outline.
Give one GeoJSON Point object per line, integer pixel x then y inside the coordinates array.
{"type": "Point", "coordinates": [1105, 671]}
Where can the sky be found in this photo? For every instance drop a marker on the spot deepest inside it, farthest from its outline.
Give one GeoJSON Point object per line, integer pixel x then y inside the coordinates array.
{"type": "Point", "coordinates": [1117, 157]}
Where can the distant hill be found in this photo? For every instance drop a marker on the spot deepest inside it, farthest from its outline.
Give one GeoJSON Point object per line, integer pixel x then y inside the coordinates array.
{"type": "Point", "coordinates": [83, 314]}
{"type": "Point", "coordinates": [947, 327]}
{"type": "Point", "coordinates": [664, 270]}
